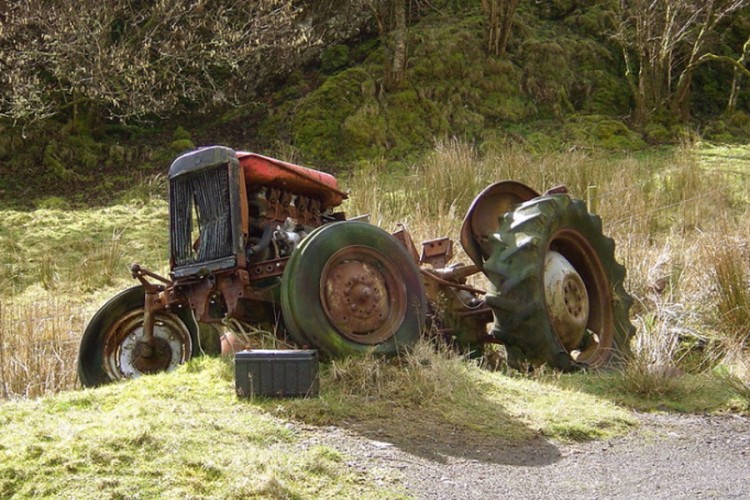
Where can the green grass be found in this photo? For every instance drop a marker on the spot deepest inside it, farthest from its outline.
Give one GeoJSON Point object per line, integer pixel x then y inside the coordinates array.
{"type": "Point", "coordinates": [426, 390]}
{"type": "Point", "coordinates": [732, 162]}
{"type": "Point", "coordinates": [685, 393]}
{"type": "Point", "coordinates": [179, 435]}
{"type": "Point", "coordinates": [79, 250]}
{"type": "Point", "coordinates": [185, 434]}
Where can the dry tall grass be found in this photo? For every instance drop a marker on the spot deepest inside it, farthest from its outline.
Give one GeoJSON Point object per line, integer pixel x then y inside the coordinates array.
{"type": "Point", "coordinates": [38, 347]}
{"type": "Point", "coordinates": [56, 268]}
{"type": "Point", "coordinates": [680, 229]}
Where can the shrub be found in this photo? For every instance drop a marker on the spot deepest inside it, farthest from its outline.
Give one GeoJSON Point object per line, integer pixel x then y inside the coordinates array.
{"type": "Point", "coordinates": [53, 203]}
{"type": "Point", "coordinates": [334, 59]}
{"type": "Point", "coordinates": [181, 134]}
{"type": "Point", "coordinates": [182, 145]}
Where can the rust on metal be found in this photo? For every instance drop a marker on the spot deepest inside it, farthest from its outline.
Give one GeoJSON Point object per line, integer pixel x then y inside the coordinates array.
{"type": "Point", "coordinates": [458, 312]}
{"type": "Point", "coordinates": [362, 295]}
{"type": "Point", "coordinates": [268, 269]}
{"type": "Point", "coordinates": [437, 252]}
{"type": "Point", "coordinates": [280, 205]}
{"type": "Point", "coordinates": [265, 171]}
{"type": "Point", "coordinates": [597, 337]}
{"type": "Point", "coordinates": [129, 353]}
{"type": "Point", "coordinates": [231, 288]}
{"type": "Point", "coordinates": [483, 217]}
{"type": "Point", "coordinates": [404, 237]}
{"type": "Point", "coordinates": [434, 275]}
{"type": "Point", "coordinates": [139, 272]}
{"type": "Point", "coordinates": [152, 357]}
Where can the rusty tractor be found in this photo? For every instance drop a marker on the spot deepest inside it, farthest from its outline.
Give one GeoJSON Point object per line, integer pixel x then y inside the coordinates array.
{"type": "Point", "coordinates": [260, 241]}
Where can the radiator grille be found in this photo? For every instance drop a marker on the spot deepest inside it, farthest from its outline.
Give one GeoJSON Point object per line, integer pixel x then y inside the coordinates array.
{"type": "Point", "coordinates": [201, 198]}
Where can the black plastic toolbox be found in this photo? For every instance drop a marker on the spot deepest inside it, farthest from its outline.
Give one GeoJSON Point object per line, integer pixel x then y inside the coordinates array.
{"type": "Point", "coordinates": [279, 373]}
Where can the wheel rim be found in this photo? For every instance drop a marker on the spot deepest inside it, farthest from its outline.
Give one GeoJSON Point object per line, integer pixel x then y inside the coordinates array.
{"type": "Point", "coordinates": [362, 296]}
{"type": "Point", "coordinates": [127, 355]}
{"type": "Point", "coordinates": [567, 299]}
{"type": "Point", "coordinates": [585, 323]}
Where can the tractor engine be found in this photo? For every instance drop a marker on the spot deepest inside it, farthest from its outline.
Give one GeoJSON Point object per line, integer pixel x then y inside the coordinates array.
{"type": "Point", "coordinates": [228, 209]}
{"type": "Point", "coordinates": [235, 219]}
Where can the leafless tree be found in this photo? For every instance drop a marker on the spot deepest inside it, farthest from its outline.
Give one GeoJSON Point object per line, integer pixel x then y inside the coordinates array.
{"type": "Point", "coordinates": [663, 42]}
{"type": "Point", "coordinates": [391, 19]}
{"type": "Point", "coordinates": [141, 58]}
{"type": "Point", "coordinates": [740, 72]}
{"type": "Point", "coordinates": [499, 20]}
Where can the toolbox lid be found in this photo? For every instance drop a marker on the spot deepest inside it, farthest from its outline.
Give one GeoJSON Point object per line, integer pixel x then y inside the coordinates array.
{"type": "Point", "coordinates": [277, 353]}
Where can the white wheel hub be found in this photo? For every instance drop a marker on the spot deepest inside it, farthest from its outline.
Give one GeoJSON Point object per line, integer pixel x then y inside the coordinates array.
{"type": "Point", "coordinates": [566, 298]}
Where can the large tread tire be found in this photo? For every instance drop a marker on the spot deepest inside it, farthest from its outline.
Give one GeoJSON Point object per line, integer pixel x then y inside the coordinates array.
{"type": "Point", "coordinates": [516, 269]}
{"type": "Point", "coordinates": [92, 356]}
{"type": "Point", "coordinates": [308, 309]}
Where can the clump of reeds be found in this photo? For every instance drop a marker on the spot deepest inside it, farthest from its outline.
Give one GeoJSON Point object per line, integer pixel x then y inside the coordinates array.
{"type": "Point", "coordinates": [651, 370]}
{"type": "Point", "coordinates": [735, 373]}
{"type": "Point", "coordinates": [38, 347]}
{"type": "Point", "coordinates": [729, 270]}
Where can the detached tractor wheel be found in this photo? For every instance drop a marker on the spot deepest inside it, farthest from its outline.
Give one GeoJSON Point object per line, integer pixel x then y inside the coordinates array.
{"type": "Point", "coordinates": [350, 288]}
{"type": "Point", "coordinates": [112, 347]}
{"type": "Point", "coordinates": [558, 294]}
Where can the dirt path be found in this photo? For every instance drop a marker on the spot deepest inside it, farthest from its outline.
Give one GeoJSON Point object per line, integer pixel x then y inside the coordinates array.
{"type": "Point", "coordinates": [668, 456]}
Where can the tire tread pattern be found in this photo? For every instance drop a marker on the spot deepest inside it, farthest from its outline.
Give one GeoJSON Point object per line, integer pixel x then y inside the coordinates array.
{"type": "Point", "coordinates": [516, 267]}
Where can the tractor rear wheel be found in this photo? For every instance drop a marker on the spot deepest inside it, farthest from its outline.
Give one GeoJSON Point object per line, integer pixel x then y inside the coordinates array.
{"type": "Point", "coordinates": [112, 347]}
{"type": "Point", "coordinates": [351, 287]}
{"type": "Point", "coordinates": [558, 295]}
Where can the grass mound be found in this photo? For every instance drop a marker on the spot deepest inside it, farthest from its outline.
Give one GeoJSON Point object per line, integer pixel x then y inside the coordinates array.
{"type": "Point", "coordinates": [181, 435]}
{"type": "Point", "coordinates": [409, 397]}
{"type": "Point", "coordinates": [185, 434]}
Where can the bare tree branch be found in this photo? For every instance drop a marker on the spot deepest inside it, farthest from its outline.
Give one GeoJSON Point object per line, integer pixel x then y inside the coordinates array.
{"type": "Point", "coordinates": [139, 59]}
{"type": "Point", "coordinates": [666, 40]}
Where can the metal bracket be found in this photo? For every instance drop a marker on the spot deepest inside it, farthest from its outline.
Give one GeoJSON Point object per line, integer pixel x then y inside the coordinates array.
{"type": "Point", "coordinates": [437, 252]}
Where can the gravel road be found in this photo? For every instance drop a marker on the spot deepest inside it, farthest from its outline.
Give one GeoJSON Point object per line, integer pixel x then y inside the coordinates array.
{"type": "Point", "coordinates": [667, 456]}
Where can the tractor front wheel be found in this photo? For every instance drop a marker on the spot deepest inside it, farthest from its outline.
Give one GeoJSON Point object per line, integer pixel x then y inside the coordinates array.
{"type": "Point", "coordinates": [114, 347]}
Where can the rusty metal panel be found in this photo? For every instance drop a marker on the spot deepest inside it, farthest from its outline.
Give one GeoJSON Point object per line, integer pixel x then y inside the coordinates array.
{"type": "Point", "coordinates": [404, 237]}
{"type": "Point", "coordinates": [278, 174]}
{"type": "Point", "coordinates": [437, 252]}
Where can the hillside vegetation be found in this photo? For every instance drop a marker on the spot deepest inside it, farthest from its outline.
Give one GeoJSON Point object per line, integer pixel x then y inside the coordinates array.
{"type": "Point", "coordinates": [318, 83]}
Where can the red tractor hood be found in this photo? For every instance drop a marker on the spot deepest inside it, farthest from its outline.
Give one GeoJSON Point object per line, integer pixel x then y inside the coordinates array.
{"type": "Point", "coordinates": [287, 176]}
